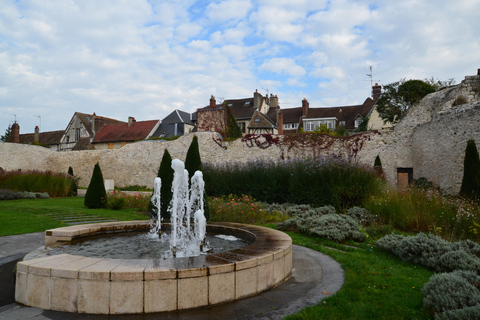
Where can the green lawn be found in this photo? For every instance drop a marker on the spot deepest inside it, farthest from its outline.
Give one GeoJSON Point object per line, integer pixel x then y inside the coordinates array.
{"type": "Point", "coordinates": [25, 216]}
{"type": "Point", "coordinates": [377, 284]}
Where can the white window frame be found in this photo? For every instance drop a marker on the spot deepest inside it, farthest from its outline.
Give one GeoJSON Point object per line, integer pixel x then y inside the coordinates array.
{"type": "Point", "coordinates": [314, 124]}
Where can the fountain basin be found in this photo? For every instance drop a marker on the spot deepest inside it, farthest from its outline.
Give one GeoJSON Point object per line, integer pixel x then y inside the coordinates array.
{"type": "Point", "coordinates": [74, 283]}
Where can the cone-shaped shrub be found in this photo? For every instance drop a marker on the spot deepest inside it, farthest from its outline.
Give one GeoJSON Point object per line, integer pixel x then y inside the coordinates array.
{"type": "Point", "coordinates": [233, 131]}
{"type": "Point", "coordinates": [471, 172]}
{"type": "Point", "coordinates": [377, 163]}
{"type": "Point", "coordinates": [96, 196]}
{"type": "Point", "coordinates": [165, 172]}
{"type": "Point", "coordinates": [193, 162]}
{"type": "Point", "coordinates": [74, 187]}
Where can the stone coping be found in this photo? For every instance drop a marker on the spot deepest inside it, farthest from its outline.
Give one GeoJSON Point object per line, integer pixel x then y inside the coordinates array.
{"type": "Point", "coordinates": [74, 283]}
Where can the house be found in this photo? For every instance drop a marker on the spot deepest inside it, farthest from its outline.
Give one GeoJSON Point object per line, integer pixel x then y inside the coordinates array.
{"type": "Point", "coordinates": [310, 119]}
{"type": "Point", "coordinates": [258, 114]}
{"type": "Point", "coordinates": [175, 124]}
{"type": "Point", "coordinates": [49, 138]}
{"type": "Point", "coordinates": [114, 136]}
{"type": "Point", "coordinates": [81, 131]}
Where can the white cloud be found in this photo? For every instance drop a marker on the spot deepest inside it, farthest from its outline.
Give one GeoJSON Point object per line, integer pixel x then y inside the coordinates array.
{"type": "Point", "coordinates": [283, 65]}
{"type": "Point", "coordinates": [227, 10]}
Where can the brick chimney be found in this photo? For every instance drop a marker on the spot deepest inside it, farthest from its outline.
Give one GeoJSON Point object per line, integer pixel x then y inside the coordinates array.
{"type": "Point", "coordinates": [213, 102]}
{"type": "Point", "coordinates": [280, 122]}
{"type": "Point", "coordinates": [131, 120]}
{"type": "Point", "coordinates": [15, 134]}
{"type": "Point", "coordinates": [305, 106]}
{"type": "Point", "coordinates": [273, 101]}
{"type": "Point", "coordinates": [36, 135]}
{"type": "Point", "coordinates": [376, 92]}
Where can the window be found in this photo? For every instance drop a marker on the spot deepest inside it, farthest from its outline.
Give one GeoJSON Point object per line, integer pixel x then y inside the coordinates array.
{"type": "Point", "coordinates": [123, 143]}
{"type": "Point", "coordinates": [294, 125]}
{"type": "Point", "coordinates": [342, 123]}
{"type": "Point", "coordinates": [287, 126]}
{"type": "Point", "coordinates": [257, 120]}
{"type": "Point", "coordinates": [67, 139]}
{"type": "Point", "coordinates": [241, 125]}
{"type": "Point", "coordinates": [77, 134]}
{"type": "Point", "coordinates": [358, 121]}
{"type": "Point", "coordinates": [110, 145]}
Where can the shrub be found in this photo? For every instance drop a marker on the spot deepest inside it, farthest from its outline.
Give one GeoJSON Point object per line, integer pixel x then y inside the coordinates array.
{"type": "Point", "coordinates": [422, 183]}
{"type": "Point", "coordinates": [165, 172]}
{"type": "Point", "coordinates": [433, 252]}
{"type": "Point", "coordinates": [471, 172]}
{"type": "Point", "coordinates": [361, 215]}
{"type": "Point", "coordinates": [55, 184]}
{"type": "Point", "coordinates": [96, 196]}
{"type": "Point", "coordinates": [453, 295]}
{"type": "Point", "coordinates": [193, 162]}
{"type": "Point", "coordinates": [74, 187]}
{"type": "Point", "coordinates": [116, 203]}
{"type": "Point", "coordinates": [242, 209]}
{"type": "Point", "coordinates": [325, 223]}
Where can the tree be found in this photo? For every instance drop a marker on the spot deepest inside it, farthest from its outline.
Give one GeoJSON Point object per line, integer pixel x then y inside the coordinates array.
{"type": "Point", "coordinates": [398, 97]}
{"type": "Point", "coordinates": [74, 187]}
{"type": "Point", "coordinates": [471, 172]}
{"type": "Point", "coordinates": [377, 166]}
{"type": "Point", "coordinates": [165, 173]}
{"type": "Point", "coordinates": [96, 196]}
{"type": "Point", "coordinates": [193, 162]}
{"type": "Point", "coordinates": [8, 134]}
{"type": "Point", "coordinates": [232, 131]}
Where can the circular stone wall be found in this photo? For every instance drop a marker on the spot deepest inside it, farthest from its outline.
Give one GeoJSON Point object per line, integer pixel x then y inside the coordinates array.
{"type": "Point", "coordinates": [80, 284]}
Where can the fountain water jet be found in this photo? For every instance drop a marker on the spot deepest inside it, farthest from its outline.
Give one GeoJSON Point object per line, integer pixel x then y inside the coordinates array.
{"type": "Point", "coordinates": [186, 205]}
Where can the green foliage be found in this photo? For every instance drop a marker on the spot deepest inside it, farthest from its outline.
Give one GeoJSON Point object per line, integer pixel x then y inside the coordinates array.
{"type": "Point", "coordinates": [8, 134]}
{"type": "Point", "coordinates": [134, 187]}
{"type": "Point", "coordinates": [361, 215]}
{"type": "Point", "coordinates": [471, 172]}
{"type": "Point", "coordinates": [74, 187]}
{"type": "Point", "coordinates": [426, 210]}
{"type": "Point", "coordinates": [118, 200]}
{"type": "Point", "coordinates": [398, 97]}
{"type": "Point", "coordinates": [320, 182]}
{"type": "Point", "coordinates": [193, 163]}
{"type": "Point", "coordinates": [96, 196]}
{"type": "Point", "coordinates": [165, 173]}
{"type": "Point", "coordinates": [325, 223]}
{"type": "Point", "coordinates": [422, 183]}
{"type": "Point", "coordinates": [55, 184]}
{"type": "Point", "coordinates": [242, 209]}
{"type": "Point", "coordinates": [363, 125]}
{"type": "Point", "coordinates": [453, 295]}
{"type": "Point", "coordinates": [433, 252]}
{"type": "Point", "coordinates": [232, 130]}
{"type": "Point", "coordinates": [377, 163]}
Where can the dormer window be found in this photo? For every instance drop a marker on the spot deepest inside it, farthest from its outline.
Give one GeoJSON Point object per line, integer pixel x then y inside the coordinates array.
{"type": "Point", "coordinates": [257, 120]}
{"type": "Point", "coordinates": [247, 103]}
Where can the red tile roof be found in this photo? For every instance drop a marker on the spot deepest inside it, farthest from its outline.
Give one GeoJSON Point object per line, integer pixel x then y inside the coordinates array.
{"type": "Point", "coordinates": [122, 132]}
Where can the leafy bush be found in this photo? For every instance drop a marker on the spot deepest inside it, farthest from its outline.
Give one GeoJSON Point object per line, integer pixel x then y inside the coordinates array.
{"type": "Point", "coordinates": [433, 252]}
{"type": "Point", "coordinates": [453, 295]}
{"type": "Point", "coordinates": [165, 173]}
{"type": "Point", "coordinates": [74, 187]}
{"type": "Point", "coordinates": [319, 182]}
{"type": "Point", "coordinates": [325, 223]}
{"type": "Point", "coordinates": [116, 203]}
{"type": "Point", "coordinates": [422, 183]}
{"type": "Point", "coordinates": [471, 172]}
{"type": "Point", "coordinates": [361, 215]}
{"type": "Point", "coordinates": [55, 184]}
{"type": "Point", "coordinates": [96, 196]}
{"type": "Point", "coordinates": [242, 209]}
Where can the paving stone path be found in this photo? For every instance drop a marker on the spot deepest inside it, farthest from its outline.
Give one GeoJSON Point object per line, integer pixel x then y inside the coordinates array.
{"type": "Point", "coordinates": [74, 219]}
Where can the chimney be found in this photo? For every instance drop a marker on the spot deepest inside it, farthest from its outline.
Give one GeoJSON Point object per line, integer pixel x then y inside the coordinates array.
{"type": "Point", "coordinates": [280, 122]}
{"type": "Point", "coordinates": [213, 102]}
{"type": "Point", "coordinates": [15, 134]}
{"type": "Point", "coordinates": [273, 101]}
{"type": "Point", "coordinates": [36, 135]}
{"type": "Point", "coordinates": [305, 106]}
{"type": "Point", "coordinates": [478, 72]}
{"type": "Point", "coordinates": [131, 120]}
{"type": "Point", "coordinates": [376, 92]}
{"type": "Point", "coordinates": [93, 122]}
{"type": "Point", "coordinates": [257, 100]}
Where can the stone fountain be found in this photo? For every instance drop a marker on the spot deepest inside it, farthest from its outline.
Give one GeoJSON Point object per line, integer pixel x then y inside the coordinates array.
{"type": "Point", "coordinates": [98, 285]}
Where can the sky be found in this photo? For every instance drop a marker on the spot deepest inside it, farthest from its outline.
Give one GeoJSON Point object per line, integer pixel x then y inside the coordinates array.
{"type": "Point", "coordinates": [146, 58]}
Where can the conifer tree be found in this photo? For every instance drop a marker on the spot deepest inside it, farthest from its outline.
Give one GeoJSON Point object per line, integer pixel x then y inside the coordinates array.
{"type": "Point", "coordinates": [96, 196]}
{"type": "Point", "coordinates": [193, 162]}
{"type": "Point", "coordinates": [471, 172]}
{"type": "Point", "coordinates": [233, 130]}
{"type": "Point", "coordinates": [74, 186]}
{"type": "Point", "coordinates": [377, 166]}
{"type": "Point", "coordinates": [165, 172]}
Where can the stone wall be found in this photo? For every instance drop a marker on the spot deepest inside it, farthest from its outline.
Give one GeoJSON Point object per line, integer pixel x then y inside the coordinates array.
{"type": "Point", "coordinates": [431, 139]}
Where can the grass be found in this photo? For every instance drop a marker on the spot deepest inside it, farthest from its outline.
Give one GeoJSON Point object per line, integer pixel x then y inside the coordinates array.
{"type": "Point", "coordinates": [377, 284]}
{"type": "Point", "coordinates": [26, 216]}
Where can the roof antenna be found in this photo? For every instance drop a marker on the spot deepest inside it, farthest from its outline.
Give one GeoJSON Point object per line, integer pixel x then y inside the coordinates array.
{"type": "Point", "coordinates": [266, 89]}
{"type": "Point", "coordinates": [370, 75]}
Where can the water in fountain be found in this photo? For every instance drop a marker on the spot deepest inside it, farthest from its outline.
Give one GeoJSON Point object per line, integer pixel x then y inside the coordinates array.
{"type": "Point", "coordinates": [185, 240]}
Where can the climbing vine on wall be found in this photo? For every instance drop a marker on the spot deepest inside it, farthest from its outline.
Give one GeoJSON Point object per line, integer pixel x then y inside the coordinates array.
{"type": "Point", "coordinates": [263, 141]}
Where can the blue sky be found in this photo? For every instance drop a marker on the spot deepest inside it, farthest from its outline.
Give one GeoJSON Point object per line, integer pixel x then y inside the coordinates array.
{"type": "Point", "coordinates": [147, 58]}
